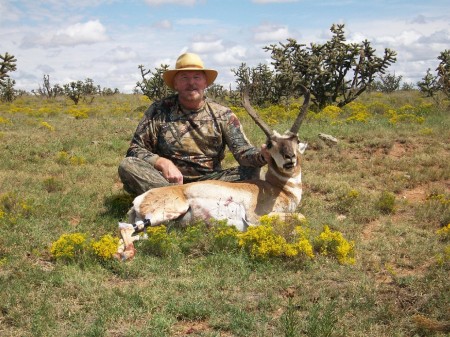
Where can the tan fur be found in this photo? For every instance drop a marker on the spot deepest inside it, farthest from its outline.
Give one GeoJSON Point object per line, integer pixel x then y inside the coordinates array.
{"type": "Point", "coordinates": [279, 192]}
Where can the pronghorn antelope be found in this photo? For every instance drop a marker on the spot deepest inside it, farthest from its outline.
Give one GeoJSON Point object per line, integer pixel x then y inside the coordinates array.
{"type": "Point", "coordinates": [240, 203]}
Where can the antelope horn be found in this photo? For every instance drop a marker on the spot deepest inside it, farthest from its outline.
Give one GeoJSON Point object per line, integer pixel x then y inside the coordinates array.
{"type": "Point", "coordinates": [264, 127]}
{"type": "Point", "coordinates": [298, 121]}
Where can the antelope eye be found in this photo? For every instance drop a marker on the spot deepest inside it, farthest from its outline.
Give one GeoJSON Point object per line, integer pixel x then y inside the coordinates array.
{"type": "Point", "coordinates": [269, 144]}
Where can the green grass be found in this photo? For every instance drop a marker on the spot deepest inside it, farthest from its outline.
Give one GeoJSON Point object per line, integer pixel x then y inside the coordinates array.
{"type": "Point", "coordinates": [386, 186]}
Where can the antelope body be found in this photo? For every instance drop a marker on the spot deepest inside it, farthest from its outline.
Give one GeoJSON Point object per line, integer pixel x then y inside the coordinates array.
{"type": "Point", "coordinates": [240, 203]}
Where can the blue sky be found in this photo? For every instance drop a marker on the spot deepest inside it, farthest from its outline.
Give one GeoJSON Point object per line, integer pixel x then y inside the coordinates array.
{"type": "Point", "coordinates": [106, 40]}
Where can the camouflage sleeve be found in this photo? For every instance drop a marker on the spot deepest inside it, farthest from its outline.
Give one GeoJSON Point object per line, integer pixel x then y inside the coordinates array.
{"type": "Point", "coordinates": [243, 151]}
{"type": "Point", "coordinates": [143, 143]}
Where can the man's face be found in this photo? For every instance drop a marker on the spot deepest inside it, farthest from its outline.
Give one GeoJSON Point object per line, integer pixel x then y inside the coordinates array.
{"type": "Point", "coordinates": [190, 85]}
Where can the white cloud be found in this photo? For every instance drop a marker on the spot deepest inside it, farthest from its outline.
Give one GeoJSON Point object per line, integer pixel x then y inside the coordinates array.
{"type": "Point", "coordinates": [405, 38]}
{"type": "Point", "coordinates": [270, 33]}
{"type": "Point", "coordinates": [439, 37]}
{"type": "Point", "coordinates": [89, 32]}
{"type": "Point", "coordinates": [45, 68]}
{"type": "Point", "coordinates": [9, 13]}
{"type": "Point", "coordinates": [80, 33]}
{"type": "Point", "coordinates": [202, 47]}
{"type": "Point", "coordinates": [106, 40]}
{"type": "Point", "coordinates": [230, 57]}
{"type": "Point", "coordinates": [120, 54]}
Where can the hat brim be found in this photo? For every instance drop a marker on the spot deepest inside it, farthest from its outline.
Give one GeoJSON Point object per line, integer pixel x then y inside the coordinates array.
{"type": "Point", "coordinates": [169, 75]}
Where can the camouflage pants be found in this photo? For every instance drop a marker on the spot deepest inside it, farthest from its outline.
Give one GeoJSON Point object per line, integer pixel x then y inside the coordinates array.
{"type": "Point", "coordinates": [138, 176]}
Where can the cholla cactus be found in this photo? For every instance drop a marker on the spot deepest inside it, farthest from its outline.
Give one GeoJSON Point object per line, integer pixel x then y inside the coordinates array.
{"type": "Point", "coordinates": [431, 84]}
{"type": "Point", "coordinates": [443, 71]}
{"type": "Point", "coordinates": [152, 84]}
{"type": "Point", "coordinates": [7, 64]}
{"type": "Point", "coordinates": [335, 71]}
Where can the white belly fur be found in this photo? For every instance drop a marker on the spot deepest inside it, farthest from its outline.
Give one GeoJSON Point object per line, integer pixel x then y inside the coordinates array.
{"type": "Point", "coordinates": [219, 202]}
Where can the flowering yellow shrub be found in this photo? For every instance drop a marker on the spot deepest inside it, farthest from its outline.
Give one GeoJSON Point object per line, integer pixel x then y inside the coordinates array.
{"type": "Point", "coordinates": [424, 108]}
{"type": "Point", "coordinates": [64, 158]}
{"type": "Point", "coordinates": [19, 108]}
{"type": "Point", "coordinates": [225, 237]}
{"type": "Point", "coordinates": [378, 108]}
{"type": "Point", "coordinates": [78, 112]}
{"type": "Point", "coordinates": [427, 131]}
{"type": "Point", "coordinates": [44, 111]}
{"type": "Point", "coordinates": [358, 112]}
{"type": "Point", "coordinates": [333, 243]}
{"type": "Point", "coordinates": [12, 208]}
{"type": "Point", "coordinates": [272, 115]}
{"type": "Point", "coordinates": [69, 246]}
{"type": "Point", "coordinates": [47, 126]}
{"type": "Point", "coordinates": [105, 247]}
{"type": "Point", "coordinates": [159, 241]}
{"type": "Point", "coordinates": [444, 258]}
{"type": "Point", "coordinates": [303, 247]}
{"type": "Point", "coordinates": [76, 160]}
{"type": "Point", "coordinates": [404, 114]}
{"type": "Point", "coordinates": [262, 242]}
{"type": "Point", "coordinates": [144, 99]}
{"type": "Point", "coordinates": [272, 238]}
{"type": "Point", "coordinates": [332, 111]}
{"type": "Point", "coordinates": [329, 113]}
{"type": "Point", "coordinates": [275, 114]}
{"type": "Point", "coordinates": [444, 233]}
{"type": "Point", "coordinates": [5, 121]}
{"type": "Point", "coordinates": [440, 198]}
{"type": "Point", "coordinates": [275, 238]}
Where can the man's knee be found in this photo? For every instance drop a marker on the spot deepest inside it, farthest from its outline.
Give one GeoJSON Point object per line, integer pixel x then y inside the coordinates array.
{"type": "Point", "coordinates": [138, 176]}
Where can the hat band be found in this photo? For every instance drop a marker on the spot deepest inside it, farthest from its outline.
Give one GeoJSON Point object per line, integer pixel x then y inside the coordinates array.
{"type": "Point", "coordinates": [190, 66]}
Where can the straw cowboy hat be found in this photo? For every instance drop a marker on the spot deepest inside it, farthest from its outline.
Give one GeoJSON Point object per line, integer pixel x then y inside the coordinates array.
{"type": "Point", "coordinates": [189, 61]}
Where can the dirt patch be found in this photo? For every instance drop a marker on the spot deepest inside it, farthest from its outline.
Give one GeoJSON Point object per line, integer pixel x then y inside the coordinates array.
{"type": "Point", "coordinates": [422, 192]}
{"type": "Point", "coordinates": [416, 195]}
{"type": "Point", "coordinates": [194, 328]}
{"type": "Point", "coordinates": [398, 150]}
{"type": "Point", "coordinates": [369, 229]}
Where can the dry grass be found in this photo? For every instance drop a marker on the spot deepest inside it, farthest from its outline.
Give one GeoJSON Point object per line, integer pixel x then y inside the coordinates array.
{"type": "Point", "coordinates": [62, 178]}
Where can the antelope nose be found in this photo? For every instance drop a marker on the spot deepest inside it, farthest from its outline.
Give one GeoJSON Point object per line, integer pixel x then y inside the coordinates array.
{"type": "Point", "coordinates": [289, 156]}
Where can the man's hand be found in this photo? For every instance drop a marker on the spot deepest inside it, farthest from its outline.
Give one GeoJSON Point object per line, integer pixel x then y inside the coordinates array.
{"type": "Point", "coordinates": [169, 170]}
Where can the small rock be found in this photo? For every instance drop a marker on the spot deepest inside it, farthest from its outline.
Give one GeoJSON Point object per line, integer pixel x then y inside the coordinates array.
{"type": "Point", "coordinates": [329, 140]}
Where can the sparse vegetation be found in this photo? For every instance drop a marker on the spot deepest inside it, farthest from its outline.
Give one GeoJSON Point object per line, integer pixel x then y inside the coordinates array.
{"type": "Point", "coordinates": [7, 65]}
{"type": "Point", "coordinates": [379, 199]}
{"type": "Point", "coordinates": [431, 84]}
{"type": "Point", "coordinates": [336, 72]}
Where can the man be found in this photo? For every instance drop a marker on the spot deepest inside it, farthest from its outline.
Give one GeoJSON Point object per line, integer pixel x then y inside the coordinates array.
{"type": "Point", "coordinates": [182, 138]}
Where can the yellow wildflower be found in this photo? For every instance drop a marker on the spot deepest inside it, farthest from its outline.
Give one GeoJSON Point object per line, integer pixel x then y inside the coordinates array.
{"type": "Point", "coordinates": [47, 126]}
{"type": "Point", "coordinates": [68, 246]}
{"type": "Point", "coordinates": [332, 243]}
{"type": "Point", "coordinates": [105, 247]}
{"type": "Point", "coordinates": [444, 233]}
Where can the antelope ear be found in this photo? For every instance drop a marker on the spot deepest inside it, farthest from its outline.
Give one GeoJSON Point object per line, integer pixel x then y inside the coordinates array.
{"type": "Point", "coordinates": [302, 147]}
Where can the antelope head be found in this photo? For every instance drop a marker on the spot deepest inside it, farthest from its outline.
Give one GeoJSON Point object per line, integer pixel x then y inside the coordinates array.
{"type": "Point", "coordinates": [283, 149]}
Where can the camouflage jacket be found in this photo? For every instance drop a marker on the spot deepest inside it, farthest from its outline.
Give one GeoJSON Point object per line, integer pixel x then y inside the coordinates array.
{"type": "Point", "coordinates": [193, 140]}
